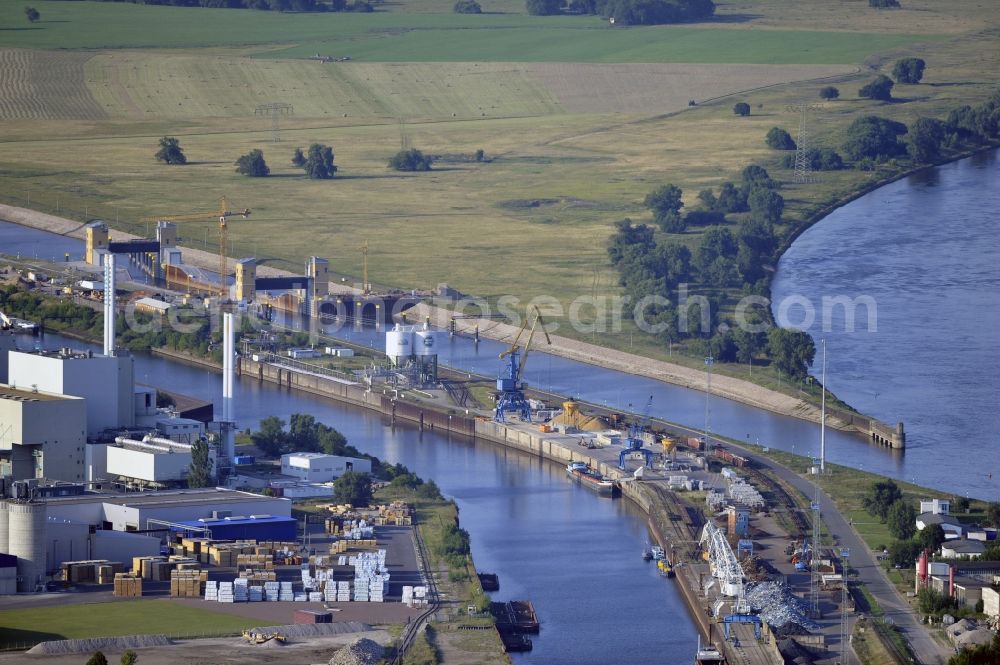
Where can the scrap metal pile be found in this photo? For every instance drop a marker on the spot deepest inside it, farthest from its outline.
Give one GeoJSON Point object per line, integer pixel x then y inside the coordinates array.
{"type": "Point", "coordinates": [784, 612]}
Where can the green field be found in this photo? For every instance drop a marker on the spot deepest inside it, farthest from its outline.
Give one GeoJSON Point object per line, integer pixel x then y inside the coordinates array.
{"type": "Point", "coordinates": [133, 617]}
{"type": "Point", "coordinates": [407, 37]}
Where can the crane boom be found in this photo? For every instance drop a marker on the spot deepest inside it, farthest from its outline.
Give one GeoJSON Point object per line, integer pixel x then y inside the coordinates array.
{"type": "Point", "coordinates": [222, 214]}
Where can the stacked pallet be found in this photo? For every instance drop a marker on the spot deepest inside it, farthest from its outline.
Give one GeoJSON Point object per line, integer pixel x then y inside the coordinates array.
{"type": "Point", "coordinates": [396, 513]}
{"type": "Point", "coordinates": [255, 561]}
{"type": "Point", "coordinates": [212, 591]}
{"type": "Point", "coordinates": [188, 583]}
{"type": "Point", "coordinates": [285, 592]}
{"type": "Point", "coordinates": [127, 585]}
{"type": "Point", "coordinates": [256, 577]}
{"type": "Point", "coordinates": [255, 594]}
{"type": "Point", "coordinates": [100, 571]}
{"type": "Point", "coordinates": [271, 591]}
{"type": "Point", "coordinates": [225, 594]}
{"type": "Point", "coordinates": [241, 590]}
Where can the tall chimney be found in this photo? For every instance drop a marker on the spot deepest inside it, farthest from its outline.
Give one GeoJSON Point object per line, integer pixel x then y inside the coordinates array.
{"type": "Point", "coordinates": [951, 581]}
{"type": "Point", "coordinates": [228, 381]}
{"type": "Point", "coordinates": [109, 304]}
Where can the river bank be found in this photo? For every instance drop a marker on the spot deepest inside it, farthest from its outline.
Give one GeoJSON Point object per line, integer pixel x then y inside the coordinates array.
{"type": "Point", "coordinates": [735, 389]}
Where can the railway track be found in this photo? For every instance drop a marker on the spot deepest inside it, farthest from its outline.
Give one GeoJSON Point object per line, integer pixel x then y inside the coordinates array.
{"type": "Point", "coordinates": [413, 628]}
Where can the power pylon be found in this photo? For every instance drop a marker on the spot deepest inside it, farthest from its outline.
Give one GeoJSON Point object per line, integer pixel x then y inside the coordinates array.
{"type": "Point", "coordinates": [803, 168]}
{"type": "Point", "coordinates": [274, 111]}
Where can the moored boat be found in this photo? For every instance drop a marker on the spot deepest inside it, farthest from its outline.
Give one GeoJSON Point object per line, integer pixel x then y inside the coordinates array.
{"type": "Point", "coordinates": [595, 480]}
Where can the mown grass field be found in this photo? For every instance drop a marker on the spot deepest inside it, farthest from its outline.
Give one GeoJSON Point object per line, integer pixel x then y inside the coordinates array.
{"type": "Point", "coordinates": [133, 617]}
{"type": "Point", "coordinates": [393, 36]}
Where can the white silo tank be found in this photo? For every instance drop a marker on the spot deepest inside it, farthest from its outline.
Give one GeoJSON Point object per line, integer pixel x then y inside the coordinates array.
{"type": "Point", "coordinates": [399, 342]}
{"type": "Point", "coordinates": [425, 343]}
{"type": "Point", "coordinates": [4, 521]}
{"type": "Point", "coordinates": [27, 541]}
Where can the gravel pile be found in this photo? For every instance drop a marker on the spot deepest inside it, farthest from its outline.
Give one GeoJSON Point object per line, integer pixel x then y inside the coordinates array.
{"type": "Point", "coordinates": [57, 647]}
{"type": "Point", "coordinates": [316, 629]}
{"type": "Point", "coordinates": [360, 652]}
{"type": "Point", "coordinates": [776, 605]}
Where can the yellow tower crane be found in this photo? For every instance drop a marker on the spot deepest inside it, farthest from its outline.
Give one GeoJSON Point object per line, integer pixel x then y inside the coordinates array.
{"type": "Point", "coordinates": [223, 213]}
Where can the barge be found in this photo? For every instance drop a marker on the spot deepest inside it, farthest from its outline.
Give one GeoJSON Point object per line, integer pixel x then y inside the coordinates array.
{"type": "Point", "coordinates": [590, 478]}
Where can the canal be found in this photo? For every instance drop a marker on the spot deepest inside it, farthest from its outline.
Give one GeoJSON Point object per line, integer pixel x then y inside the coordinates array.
{"type": "Point", "coordinates": [575, 555]}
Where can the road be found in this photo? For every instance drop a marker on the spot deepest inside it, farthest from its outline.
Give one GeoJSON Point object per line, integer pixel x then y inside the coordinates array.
{"type": "Point", "coordinates": [895, 606]}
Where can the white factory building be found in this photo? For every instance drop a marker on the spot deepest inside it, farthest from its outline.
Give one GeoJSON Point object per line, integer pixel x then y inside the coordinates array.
{"type": "Point", "coordinates": [44, 533]}
{"type": "Point", "coordinates": [42, 434]}
{"type": "Point", "coordinates": [152, 461]}
{"type": "Point", "coordinates": [321, 468]}
{"type": "Point", "coordinates": [106, 382]}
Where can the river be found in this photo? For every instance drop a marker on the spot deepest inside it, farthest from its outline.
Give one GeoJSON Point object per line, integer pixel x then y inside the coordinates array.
{"type": "Point", "coordinates": [926, 251]}
{"type": "Point", "coordinates": [575, 555]}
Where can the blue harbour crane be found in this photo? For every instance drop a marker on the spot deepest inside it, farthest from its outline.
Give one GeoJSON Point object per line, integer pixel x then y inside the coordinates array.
{"type": "Point", "coordinates": [510, 382]}
{"type": "Point", "coordinates": [634, 442]}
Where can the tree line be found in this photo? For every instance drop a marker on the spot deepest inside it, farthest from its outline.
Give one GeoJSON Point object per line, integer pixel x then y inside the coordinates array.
{"type": "Point", "coordinates": [317, 161]}
{"type": "Point", "coordinates": [305, 434]}
{"type": "Point", "coordinates": [628, 12]}
{"type": "Point", "coordinates": [362, 6]}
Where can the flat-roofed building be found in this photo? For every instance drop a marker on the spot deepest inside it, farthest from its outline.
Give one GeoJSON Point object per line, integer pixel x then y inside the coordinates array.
{"type": "Point", "coordinates": [42, 435]}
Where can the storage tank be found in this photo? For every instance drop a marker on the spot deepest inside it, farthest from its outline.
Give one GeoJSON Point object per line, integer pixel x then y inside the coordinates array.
{"type": "Point", "coordinates": [27, 541]}
{"type": "Point", "coordinates": [4, 520]}
{"type": "Point", "coordinates": [399, 342]}
{"type": "Point", "coordinates": [425, 343]}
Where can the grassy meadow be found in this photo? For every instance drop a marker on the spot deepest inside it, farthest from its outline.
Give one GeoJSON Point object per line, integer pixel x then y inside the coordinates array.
{"type": "Point", "coordinates": [134, 617]}
{"type": "Point", "coordinates": [573, 144]}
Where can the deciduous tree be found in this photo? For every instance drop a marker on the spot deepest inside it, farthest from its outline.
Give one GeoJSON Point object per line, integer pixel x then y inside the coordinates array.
{"type": "Point", "coordinates": [411, 160]}
{"type": "Point", "coordinates": [792, 351]}
{"type": "Point", "coordinates": [468, 7]}
{"type": "Point", "coordinates": [909, 70]}
{"type": "Point", "coordinates": [880, 88]}
{"type": "Point", "coordinates": [298, 159]}
{"type": "Point", "coordinates": [319, 162]}
{"type": "Point", "coordinates": [901, 520]}
{"type": "Point", "coordinates": [252, 164]}
{"type": "Point", "coordinates": [170, 151]}
{"type": "Point", "coordinates": [779, 139]}
{"type": "Point", "coordinates": [353, 488]}
{"type": "Point", "coordinates": [875, 138]}
{"type": "Point", "coordinates": [741, 109]}
{"type": "Point", "coordinates": [32, 14]}
{"type": "Point", "coordinates": [828, 92]}
{"type": "Point", "coordinates": [200, 472]}
{"type": "Point", "coordinates": [880, 497]}
{"type": "Point", "coordinates": [926, 138]}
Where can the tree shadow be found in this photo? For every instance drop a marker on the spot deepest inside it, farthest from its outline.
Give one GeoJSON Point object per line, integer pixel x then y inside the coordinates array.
{"type": "Point", "coordinates": [18, 29]}
{"type": "Point", "coordinates": [18, 637]}
{"type": "Point", "coordinates": [733, 18]}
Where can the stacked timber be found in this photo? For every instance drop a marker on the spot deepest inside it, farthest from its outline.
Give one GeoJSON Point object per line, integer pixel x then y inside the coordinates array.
{"type": "Point", "coordinates": [127, 585]}
{"type": "Point", "coordinates": [188, 583]}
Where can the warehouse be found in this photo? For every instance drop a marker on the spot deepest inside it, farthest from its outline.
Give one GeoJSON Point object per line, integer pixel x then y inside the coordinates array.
{"type": "Point", "coordinates": [255, 527]}
{"type": "Point", "coordinates": [131, 512]}
{"type": "Point", "coordinates": [320, 468]}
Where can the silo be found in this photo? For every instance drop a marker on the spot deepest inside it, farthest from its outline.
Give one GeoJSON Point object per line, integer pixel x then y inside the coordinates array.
{"type": "Point", "coordinates": [4, 542]}
{"type": "Point", "coordinates": [27, 541]}
{"type": "Point", "coordinates": [399, 343]}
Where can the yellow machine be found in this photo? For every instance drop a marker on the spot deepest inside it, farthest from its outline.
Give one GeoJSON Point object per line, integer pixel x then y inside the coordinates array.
{"type": "Point", "coordinates": [254, 637]}
{"type": "Point", "coordinates": [222, 214]}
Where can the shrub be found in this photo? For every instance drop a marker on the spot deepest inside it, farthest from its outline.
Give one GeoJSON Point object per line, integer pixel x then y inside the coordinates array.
{"type": "Point", "coordinates": [468, 7]}
{"type": "Point", "coordinates": [741, 109]}
{"type": "Point", "coordinates": [779, 139]}
{"type": "Point", "coordinates": [829, 92]}
{"type": "Point", "coordinates": [880, 88]}
{"type": "Point", "coordinates": [411, 160]}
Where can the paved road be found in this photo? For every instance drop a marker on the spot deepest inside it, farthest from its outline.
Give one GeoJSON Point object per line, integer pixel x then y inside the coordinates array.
{"type": "Point", "coordinates": [895, 606]}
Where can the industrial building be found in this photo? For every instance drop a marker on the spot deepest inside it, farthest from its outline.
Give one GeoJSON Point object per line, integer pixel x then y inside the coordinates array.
{"type": "Point", "coordinates": [43, 533]}
{"type": "Point", "coordinates": [253, 527]}
{"type": "Point", "coordinates": [106, 382]}
{"type": "Point", "coordinates": [42, 434]}
{"type": "Point", "coordinates": [153, 461]}
{"type": "Point", "coordinates": [321, 468]}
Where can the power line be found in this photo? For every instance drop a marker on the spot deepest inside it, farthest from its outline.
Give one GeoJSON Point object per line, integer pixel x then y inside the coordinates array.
{"type": "Point", "coordinates": [274, 111]}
